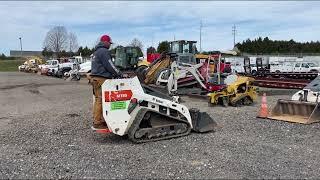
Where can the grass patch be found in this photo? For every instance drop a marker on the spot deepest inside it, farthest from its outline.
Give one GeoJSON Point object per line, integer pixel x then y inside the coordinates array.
{"type": "Point", "coordinates": [10, 65]}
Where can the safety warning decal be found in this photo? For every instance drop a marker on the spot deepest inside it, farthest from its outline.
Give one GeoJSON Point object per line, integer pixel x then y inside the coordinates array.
{"type": "Point", "coordinates": [122, 95]}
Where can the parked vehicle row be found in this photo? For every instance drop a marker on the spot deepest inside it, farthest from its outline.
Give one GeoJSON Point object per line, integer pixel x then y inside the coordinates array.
{"type": "Point", "coordinates": [295, 67]}
{"type": "Point", "coordinates": [274, 65]}
{"type": "Point", "coordinates": [62, 68]}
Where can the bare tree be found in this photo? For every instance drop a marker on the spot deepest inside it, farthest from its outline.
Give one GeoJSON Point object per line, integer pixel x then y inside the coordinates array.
{"type": "Point", "coordinates": [136, 43]}
{"type": "Point", "coordinates": [56, 39]}
{"type": "Point", "coordinates": [73, 42]}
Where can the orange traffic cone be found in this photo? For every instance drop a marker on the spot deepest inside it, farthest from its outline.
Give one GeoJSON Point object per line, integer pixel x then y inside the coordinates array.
{"type": "Point", "coordinates": [263, 112]}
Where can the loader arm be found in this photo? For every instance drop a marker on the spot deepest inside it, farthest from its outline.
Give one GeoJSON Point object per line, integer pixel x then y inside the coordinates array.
{"type": "Point", "coordinates": [172, 84]}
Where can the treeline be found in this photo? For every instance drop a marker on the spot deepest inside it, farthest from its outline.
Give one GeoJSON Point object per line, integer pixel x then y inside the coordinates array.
{"type": "Point", "coordinates": [84, 51]}
{"type": "Point", "coordinates": [267, 46]}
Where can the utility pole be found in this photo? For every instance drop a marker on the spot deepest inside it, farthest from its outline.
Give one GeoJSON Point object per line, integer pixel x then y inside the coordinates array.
{"type": "Point", "coordinates": [234, 34]}
{"type": "Point", "coordinates": [20, 46]}
{"type": "Point", "coordinates": [200, 36]}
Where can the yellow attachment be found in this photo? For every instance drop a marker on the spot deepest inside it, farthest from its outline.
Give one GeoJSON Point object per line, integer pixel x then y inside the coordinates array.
{"type": "Point", "coordinates": [32, 63]}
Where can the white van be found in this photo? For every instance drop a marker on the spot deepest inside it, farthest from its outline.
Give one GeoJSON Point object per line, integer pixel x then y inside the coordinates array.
{"type": "Point", "coordinates": [295, 67]}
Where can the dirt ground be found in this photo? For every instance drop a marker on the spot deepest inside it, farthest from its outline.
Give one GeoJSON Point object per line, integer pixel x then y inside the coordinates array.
{"type": "Point", "coordinates": [45, 133]}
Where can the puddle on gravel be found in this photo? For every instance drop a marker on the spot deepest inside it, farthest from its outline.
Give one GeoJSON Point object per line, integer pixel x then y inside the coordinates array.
{"type": "Point", "coordinates": [34, 91]}
{"type": "Point", "coordinates": [31, 85]}
{"type": "Point", "coordinates": [72, 115]}
{"type": "Point", "coordinates": [32, 150]}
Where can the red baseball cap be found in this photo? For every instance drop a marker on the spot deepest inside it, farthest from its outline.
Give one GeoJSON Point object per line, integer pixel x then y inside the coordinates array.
{"type": "Point", "coordinates": [106, 38]}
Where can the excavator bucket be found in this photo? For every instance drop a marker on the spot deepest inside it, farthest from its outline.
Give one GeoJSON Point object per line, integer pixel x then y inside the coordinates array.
{"type": "Point", "coordinates": [296, 111]}
{"type": "Point", "coordinates": [201, 121]}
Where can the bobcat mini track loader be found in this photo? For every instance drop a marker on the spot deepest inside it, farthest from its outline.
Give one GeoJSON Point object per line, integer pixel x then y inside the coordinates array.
{"type": "Point", "coordinates": [145, 114]}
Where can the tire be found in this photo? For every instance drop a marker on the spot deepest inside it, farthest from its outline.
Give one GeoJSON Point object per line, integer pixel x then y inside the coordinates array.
{"type": "Point", "coordinates": [209, 102]}
{"type": "Point", "coordinates": [140, 69]}
{"type": "Point", "coordinates": [254, 72]}
{"type": "Point", "coordinates": [166, 75]}
{"type": "Point", "coordinates": [247, 101]}
{"type": "Point", "coordinates": [225, 101]}
{"type": "Point", "coordinates": [62, 73]}
{"type": "Point", "coordinates": [140, 73]}
{"type": "Point", "coordinates": [227, 70]}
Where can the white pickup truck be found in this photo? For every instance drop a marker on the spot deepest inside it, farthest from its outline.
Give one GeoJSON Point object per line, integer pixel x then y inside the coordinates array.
{"type": "Point", "coordinates": [295, 67]}
{"type": "Point", "coordinates": [44, 68]}
{"type": "Point", "coordinates": [54, 68]}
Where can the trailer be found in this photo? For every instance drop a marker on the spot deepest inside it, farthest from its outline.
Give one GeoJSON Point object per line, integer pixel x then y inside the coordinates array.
{"type": "Point", "coordinates": [282, 83]}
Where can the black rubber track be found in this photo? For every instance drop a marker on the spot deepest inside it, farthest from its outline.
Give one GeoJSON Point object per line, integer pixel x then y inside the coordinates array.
{"type": "Point", "coordinates": [135, 126]}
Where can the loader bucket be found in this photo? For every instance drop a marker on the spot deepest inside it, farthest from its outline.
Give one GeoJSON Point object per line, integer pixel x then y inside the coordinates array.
{"type": "Point", "coordinates": [201, 121]}
{"type": "Point", "coordinates": [296, 111]}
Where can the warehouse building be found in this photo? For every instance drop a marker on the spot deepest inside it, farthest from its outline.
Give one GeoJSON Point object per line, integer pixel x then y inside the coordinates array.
{"type": "Point", "coordinates": [18, 53]}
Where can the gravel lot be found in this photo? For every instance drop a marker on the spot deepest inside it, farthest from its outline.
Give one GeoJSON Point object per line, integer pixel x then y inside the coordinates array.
{"type": "Point", "coordinates": [45, 133]}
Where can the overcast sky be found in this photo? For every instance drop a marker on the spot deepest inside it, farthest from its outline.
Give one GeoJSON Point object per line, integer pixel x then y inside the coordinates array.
{"type": "Point", "coordinates": [157, 21]}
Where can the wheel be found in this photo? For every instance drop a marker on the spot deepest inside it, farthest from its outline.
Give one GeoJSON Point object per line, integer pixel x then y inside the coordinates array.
{"type": "Point", "coordinates": [62, 73]}
{"type": "Point", "coordinates": [165, 75]}
{"type": "Point", "coordinates": [282, 77]}
{"type": "Point", "coordinates": [140, 69]}
{"type": "Point", "coordinates": [254, 72]}
{"type": "Point", "coordinates": [238, 103]}
{"type": "Point", "coordinates": [247, 101]}
{"type": "Point", "coordinates": [78, 77]}
{"type": "Point", "coordinates": [227, 70]}
{"type": "Point", "coordinates": [140, 73]}
{"type": "Point", "coordinates": [210, 104]}
{"type": "Point", "coordinates": [225, 101]}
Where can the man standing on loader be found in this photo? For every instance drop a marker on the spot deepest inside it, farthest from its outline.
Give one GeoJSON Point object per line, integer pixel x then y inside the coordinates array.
{"type": "Point", "coordinates": [102, 68]}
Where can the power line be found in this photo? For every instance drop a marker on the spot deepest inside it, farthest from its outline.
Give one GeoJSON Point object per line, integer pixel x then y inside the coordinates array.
{"type": "Point", "coordinates": [234, 34]}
